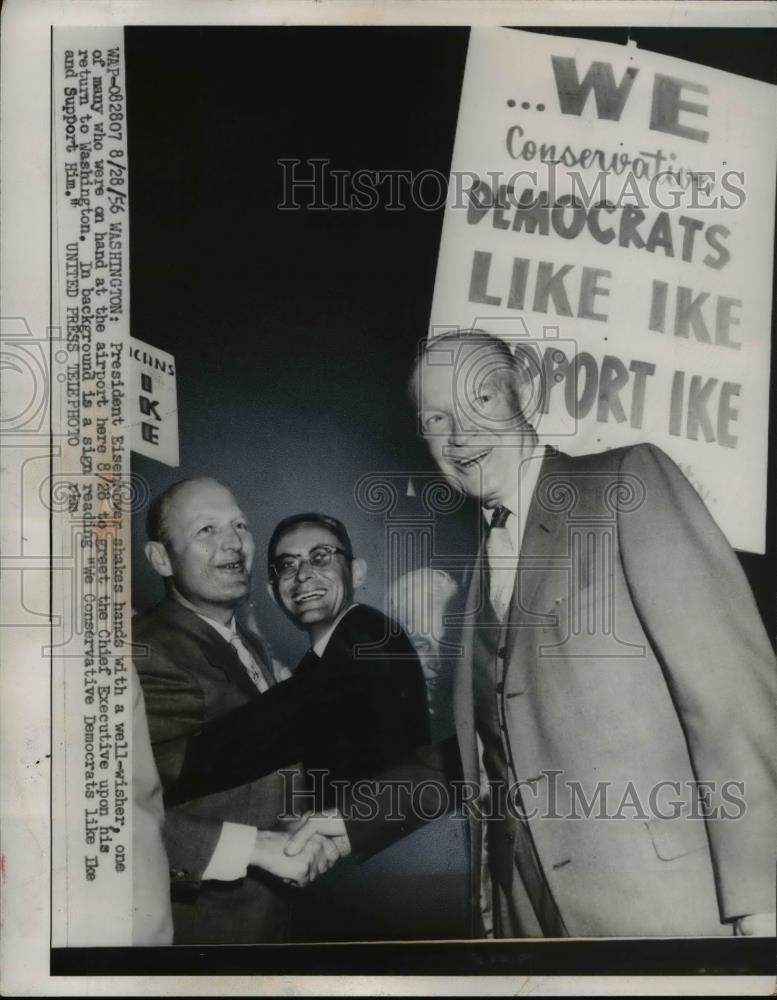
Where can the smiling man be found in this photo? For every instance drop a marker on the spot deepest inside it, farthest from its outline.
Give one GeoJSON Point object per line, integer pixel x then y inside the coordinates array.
{"type": "Point", "coordinates": [381, 711]}
{"type": "Point", "coordinates": [616, 683]}
{"type": "Point", "coordinates": [376, 709]}
{"type": "Point", "coordinates": [313, 573]}
{"type": "Point", "coordinates": [196, 665]}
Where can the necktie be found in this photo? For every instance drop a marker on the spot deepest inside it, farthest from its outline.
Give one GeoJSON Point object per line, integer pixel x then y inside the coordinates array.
{"type": "Point", "coordinates": [499, 517]}
{"type": "Point", "coordinates": [244, 655]}
{"type": "Point", "coordinates": [501, 561]}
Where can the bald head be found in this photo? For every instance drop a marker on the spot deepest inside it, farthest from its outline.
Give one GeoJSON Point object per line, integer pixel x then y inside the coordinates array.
{"type": "Point", "coordinates": [156, 518]}
{"type": "Point", "coordinates": [200, 543]}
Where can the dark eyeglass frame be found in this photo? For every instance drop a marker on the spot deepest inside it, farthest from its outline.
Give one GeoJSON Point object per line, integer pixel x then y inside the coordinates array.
{"type": "Point", "coordinates": [327, 552]}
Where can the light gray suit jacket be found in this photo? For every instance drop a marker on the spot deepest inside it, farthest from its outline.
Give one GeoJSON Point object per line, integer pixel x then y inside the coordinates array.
{"type": "Point", "coordinates": [633, 665]}
{"type": "Point", "coordinates": [634, 655]}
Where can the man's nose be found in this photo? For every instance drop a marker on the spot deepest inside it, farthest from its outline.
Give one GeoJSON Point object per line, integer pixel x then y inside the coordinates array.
{"type": "Point", "coordinates": [304, 570]}
{"type": "Point", "coordinates": [231, 539]}
{"type": "Point", "coordinates": [461, 431]}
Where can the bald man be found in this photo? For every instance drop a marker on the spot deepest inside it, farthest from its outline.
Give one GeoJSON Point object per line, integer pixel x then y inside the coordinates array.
{"type": "Point", "coordinates": [196, 665]}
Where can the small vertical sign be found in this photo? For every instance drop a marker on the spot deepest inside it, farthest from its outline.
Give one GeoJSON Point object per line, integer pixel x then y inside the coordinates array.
{"type": "Point", "coordinates": [154, 403]}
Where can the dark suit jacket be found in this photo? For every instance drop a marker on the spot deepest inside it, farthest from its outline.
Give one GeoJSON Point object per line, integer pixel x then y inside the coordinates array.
{"type": "Point", "coordinates": [359, 707]}
{"type": "Point", "coordinates": [633, 653]}
{"type": "Point", "coordinates": [190, 676]}
{"type": "Point", "coordinates": [381, 710]}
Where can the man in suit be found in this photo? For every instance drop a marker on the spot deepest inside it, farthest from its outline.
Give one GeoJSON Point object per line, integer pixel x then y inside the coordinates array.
{"type": "Point", "coordinates": [381, 709]}
{"type": "Point", "coordinates": [617, 686]}
{"type": "Point", "coordinates": [376, 712]}
{"type": "Point", "coordinates": [196, 665]}
{"type": "Point", "coordinates": [356, 702]}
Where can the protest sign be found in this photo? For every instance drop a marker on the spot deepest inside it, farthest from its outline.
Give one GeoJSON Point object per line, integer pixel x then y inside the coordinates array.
{"type": "Point", "coordinates": [611, 211]}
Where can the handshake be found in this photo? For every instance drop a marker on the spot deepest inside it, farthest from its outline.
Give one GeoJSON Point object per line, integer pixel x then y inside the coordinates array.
{"type": "Point", "coordinates": [306, 849]}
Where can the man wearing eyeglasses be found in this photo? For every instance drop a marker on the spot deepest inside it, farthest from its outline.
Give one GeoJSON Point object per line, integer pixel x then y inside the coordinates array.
{"type": "Point", "coordinates": [356, 702]}
{"type": "Point", "coordinates": [375, 710]}
{"type": "Point", "coordinates": [380, 712]}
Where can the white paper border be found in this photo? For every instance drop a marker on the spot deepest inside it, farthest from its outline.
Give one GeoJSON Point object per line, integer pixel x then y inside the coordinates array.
{"type": "Point", "coordinates": [24, 284]}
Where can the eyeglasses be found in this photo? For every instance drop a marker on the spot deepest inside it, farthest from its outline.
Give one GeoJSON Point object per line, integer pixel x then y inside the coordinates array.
{"type": "Point", "coordinates": [285, 567]}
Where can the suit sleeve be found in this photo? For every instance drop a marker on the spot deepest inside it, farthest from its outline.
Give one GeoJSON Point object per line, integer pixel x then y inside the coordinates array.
{"type": "Point", "coordinates": [406, 680]}
{"type": "Point", "coordinates": [696, 607]}
{"type": "Point", "coordinates": [401, 798]}
{"type": "Point", "coordinates": [387, 693]}
{"type": "Point", "coordinates": [174, 707]}
{"type": "Point", "coordinates": [189, 752]}
{"type": "Point", "coordinates": [273, 730]}
{"type": "Point", "coordinates": [264, 735]}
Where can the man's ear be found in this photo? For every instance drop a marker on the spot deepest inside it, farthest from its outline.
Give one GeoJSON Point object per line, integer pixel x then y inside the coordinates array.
{"type": "Point", "coordinates": [271, 591]}
{"type": "Point", "coordinates": [527, 400]}
{"type": "Point", "coordinates": [444, 584]}
{"type": "Point", "coordinates": [528, 381]}
{"type": "Point", "coordinates": [157, 555]}
{"type": "Point", "coordinates": [358, 572]}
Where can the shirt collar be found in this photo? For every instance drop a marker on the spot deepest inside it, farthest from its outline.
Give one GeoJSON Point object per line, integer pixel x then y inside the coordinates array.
{"type": "Point", "coordinates": [225, 631]}
{"type": "Point", "coordinates": [519, 499]}
{"type": "Point", "coordinates": [320, 646]}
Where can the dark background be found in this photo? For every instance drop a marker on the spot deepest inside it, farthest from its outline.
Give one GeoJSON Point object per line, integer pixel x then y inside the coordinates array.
{"type": "Point", "coordinates": [293, 331]}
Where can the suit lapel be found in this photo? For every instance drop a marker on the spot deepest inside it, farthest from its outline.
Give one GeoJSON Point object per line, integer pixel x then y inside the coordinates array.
{"type": "Point", "coordinates": [476, 607]}
{"type": "Point", "coordinates": [463, 691]}
{"type": "Point", "coordinates": [538, 559]}
{"type": "Point", "coordinates": [217, 651]}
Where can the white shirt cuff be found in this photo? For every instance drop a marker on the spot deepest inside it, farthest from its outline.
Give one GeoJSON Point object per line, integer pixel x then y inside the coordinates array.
{"type": "Point", "coordinates": [232, 854]}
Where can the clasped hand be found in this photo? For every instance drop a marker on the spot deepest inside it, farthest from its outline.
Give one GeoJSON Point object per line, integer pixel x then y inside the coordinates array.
{"type": "Point", "coordinates": [305, 851]}
{"type": "Point", "coordinates": [313, 826]}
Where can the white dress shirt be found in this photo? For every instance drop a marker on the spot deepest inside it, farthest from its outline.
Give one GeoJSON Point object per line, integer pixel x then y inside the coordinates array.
{"type": "Point", "coordinates": [503, 545]}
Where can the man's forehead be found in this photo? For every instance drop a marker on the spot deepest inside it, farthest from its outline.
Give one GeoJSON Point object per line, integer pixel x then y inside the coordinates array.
{"type": "Point", "coordinates": [459, 369]}
{"type": "Point", "coordinates": [444, 353]}
{"type": "Point", "coordinates": [306, 535]}
{"type": "Point", "coordinates": [203, 496]}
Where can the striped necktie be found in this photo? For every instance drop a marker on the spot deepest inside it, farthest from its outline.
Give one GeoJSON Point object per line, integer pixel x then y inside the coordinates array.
{"type": "Point", "coordinates": [499, 517]}
{"type": "Point", "coordinates": [244, 655]}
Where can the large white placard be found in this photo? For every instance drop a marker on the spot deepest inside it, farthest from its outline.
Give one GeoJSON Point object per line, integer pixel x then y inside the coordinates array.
{"type": "Point", "coordinates": [611, 210]}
